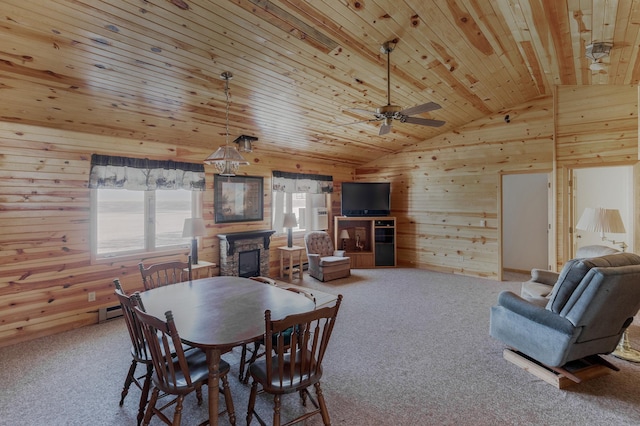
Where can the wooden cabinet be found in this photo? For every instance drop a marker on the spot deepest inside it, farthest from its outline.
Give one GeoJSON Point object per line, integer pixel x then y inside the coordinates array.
{"type": "Point", "coordinates": [371, 242]}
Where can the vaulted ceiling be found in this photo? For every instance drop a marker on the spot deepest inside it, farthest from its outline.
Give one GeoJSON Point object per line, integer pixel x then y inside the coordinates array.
{"type": "Point", "coordinates": [150, 69]}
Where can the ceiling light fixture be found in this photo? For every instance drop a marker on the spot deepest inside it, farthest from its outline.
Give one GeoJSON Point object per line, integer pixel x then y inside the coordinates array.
{"type": "Point", "coordinates": [226, 159]}
{"type": "Point", "coordinates": [596, 52]}
{"type": "Point", "coordinates": [244, 142]}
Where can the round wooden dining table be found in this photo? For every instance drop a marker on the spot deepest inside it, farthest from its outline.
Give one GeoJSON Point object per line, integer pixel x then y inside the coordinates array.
{"type": "Point", "coordinates": [219, 313]}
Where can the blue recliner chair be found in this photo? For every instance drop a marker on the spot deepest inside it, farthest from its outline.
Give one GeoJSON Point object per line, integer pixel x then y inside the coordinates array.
{"type": "Point", "coordinates": [592, 303]}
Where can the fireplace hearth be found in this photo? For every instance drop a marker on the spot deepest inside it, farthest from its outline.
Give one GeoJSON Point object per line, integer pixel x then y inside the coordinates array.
{"type": "Point", "coordinates": [245, 254]}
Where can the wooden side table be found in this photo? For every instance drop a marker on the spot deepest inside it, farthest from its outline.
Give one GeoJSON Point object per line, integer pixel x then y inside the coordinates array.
{"type": "Point", "coordinates": [202, 269]}
{"type": "Point", "coordinates": [291, 252]}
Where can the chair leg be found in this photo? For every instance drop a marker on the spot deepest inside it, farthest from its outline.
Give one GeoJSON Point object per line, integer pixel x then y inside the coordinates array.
{"type": "Point", "coordinates": [252, 401]}
{"type": "Point", "coordinates": [150, 406]}
{"type": "Point", "coordinates": [226, 390]}
{"type": "Point", "coordinates": [276, 410]}
{"type": "Point", "coordinates": [243, 356]}
{"type": "Point", "coordinates": [254, 357]}
{"type": "Point", "coordinates": [177, 416]}
{"type": "Point", "coordinates": [144, 396]}
{"type": "Point", "coordinates": [128, 381]}
{"type": "Point", "coordinates": [199, 394]}
{"type": "Point", "coordinates": [323, 406]}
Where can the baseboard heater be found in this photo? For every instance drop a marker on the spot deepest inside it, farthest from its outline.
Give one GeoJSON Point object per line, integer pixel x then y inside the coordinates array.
{"type": "Point", "coordinates": [108, 313]}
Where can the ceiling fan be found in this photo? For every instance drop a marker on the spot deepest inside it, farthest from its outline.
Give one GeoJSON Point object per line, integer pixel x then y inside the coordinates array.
{"type": "Point", "coordinates": [390, 112]}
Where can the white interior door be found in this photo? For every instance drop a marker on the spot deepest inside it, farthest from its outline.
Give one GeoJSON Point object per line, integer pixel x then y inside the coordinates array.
{"type": "Point", "coordinates": [525, 221]}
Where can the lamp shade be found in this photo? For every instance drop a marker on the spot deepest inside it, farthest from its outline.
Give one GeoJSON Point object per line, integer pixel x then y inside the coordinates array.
{"type": "Point", "coordinates": [601, 220]}
{"type": "Point", "coordinates": [193, 227]}
{"type": "Point", "coordinates": [344, 235]}
{"type": "Point", "coordinates": [290, 220]}
{"type": "Point", "coordinates": [226, 160]}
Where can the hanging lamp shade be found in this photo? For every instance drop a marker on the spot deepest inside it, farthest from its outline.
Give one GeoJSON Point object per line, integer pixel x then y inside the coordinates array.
{"type": "Point", "coordinates": [226, 160]}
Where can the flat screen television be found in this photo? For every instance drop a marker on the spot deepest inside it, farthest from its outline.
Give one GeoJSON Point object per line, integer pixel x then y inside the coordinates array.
{"type": "Point", "coordinates": [366, 199]}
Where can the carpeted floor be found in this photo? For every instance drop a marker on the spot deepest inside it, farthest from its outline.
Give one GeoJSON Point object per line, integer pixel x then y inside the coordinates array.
{"type": "Point", "coordinates": [411, 347]}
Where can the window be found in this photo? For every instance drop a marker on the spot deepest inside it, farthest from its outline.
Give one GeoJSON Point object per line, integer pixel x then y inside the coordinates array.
{"type": "Point", "coordinates": [299, 203]}
{"type": "Point", "coordinates": [299, 193]}
{"type": "Point", "coordinates": [127, 222]}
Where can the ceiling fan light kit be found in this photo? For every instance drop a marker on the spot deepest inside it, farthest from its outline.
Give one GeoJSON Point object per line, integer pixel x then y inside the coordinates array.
{"type": "Point", "coordinates": [387, 113]}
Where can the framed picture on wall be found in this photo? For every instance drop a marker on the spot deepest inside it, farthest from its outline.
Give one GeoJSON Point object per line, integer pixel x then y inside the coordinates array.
{"type": "Point", "coordinates": [237, 198]}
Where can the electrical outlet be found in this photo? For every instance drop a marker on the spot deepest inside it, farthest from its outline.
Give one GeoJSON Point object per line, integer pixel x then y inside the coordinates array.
{"type": "Point", "coordinates": [483, 223]}
{"type": "Point", "coordinates": [91, 296]}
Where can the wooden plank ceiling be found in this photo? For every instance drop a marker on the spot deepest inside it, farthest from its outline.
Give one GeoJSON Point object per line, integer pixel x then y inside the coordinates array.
{"type": "Point", "coordinates": [150, 69]}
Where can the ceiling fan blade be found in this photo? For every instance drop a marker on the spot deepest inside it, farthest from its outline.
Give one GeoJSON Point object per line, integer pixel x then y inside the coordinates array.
{"type": "Point", "coordinates": [424, 121]}
{"type": "Point", "coordinates": [418, 109]}
{"type": "Point", "coordinates": [384, 129]}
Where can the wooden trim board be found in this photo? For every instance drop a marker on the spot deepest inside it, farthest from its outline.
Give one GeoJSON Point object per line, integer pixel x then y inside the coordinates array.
{"type": "Point", "coordinates": [584, 369]}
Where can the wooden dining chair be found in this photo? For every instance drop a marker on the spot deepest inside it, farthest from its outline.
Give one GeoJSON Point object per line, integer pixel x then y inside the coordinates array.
{"type": "Point", "coordinates": [296, 366]}
{"type": "Point", "coordinates": [160, 274]}
{"type": "Point", "coordinates": [243, 373]}
{"type": "Point", "coordinates": [139, 352]}
{"type": "Point", "coordinates": [176, 372]}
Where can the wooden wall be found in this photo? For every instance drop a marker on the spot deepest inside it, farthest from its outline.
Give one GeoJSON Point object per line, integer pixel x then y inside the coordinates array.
{"type": "Point", "coordinates": [45, 263]}
{"type": "Point", "coordinates": [596, 126]}
{"type": "Point", "coordinates": [444, 187]}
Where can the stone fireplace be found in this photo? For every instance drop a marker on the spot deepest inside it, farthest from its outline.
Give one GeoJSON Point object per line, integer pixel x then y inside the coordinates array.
{"type": "Point", "coordinates": [245, 254]}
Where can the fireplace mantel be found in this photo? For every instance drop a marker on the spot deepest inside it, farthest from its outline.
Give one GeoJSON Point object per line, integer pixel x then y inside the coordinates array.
{"type": "Point", "coordinates": [235, 236]}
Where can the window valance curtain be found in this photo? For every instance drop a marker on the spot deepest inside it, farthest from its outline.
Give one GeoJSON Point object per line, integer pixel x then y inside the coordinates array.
{"type": "Point", "coordinates": [142, 174]}
{"type": "Point", "coordinates": [301, 182]}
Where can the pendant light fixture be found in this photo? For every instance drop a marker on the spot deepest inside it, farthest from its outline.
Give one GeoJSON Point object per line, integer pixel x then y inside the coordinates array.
{"type": "Point", "coordinates": [244, 142]}
{"type": "Point", "coordinates": [226, 159]}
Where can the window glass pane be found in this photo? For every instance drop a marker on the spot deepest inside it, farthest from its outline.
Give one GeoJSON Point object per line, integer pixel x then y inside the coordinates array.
{"type": "Point", "coordinates": [120, 220]}
{"type": "Point", "coordinates": [172, 208]}
{"type": "Point", "coordinates": [298, 201]}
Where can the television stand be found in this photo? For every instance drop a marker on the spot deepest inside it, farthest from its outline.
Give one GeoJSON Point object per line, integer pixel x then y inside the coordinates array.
{"type": "Point", "coordinates": [371, 243]}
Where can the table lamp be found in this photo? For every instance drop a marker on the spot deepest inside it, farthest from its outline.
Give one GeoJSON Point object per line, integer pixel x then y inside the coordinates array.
{"type": "Point", "coordinates": [603, 220]}
{"type": "Point", "coordinates": [344, 236]}
{"type": "Point", "coordinates": [289, 222]}
{"type": "Point", "coordinates": [194, 227]}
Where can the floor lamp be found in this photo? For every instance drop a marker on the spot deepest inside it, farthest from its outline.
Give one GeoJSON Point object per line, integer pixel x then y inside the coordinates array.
{"type": "Point", "coordinates": [609, 221]}
{"type": "Point", "coordinates": [194, 227]}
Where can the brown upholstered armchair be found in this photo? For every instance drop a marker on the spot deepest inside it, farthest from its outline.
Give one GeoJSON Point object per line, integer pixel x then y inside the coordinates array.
{"type": "Point", "coordinates": [325, 263]}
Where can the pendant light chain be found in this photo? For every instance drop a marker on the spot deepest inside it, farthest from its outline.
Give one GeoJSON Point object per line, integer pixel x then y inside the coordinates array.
{"type": "Point", "coordinates": [227, 76]}
{"type": "Point", "coordinates": [226, 159]}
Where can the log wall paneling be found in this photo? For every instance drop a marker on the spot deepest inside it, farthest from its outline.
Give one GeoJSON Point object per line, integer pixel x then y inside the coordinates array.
{"type": "Point", "coordinates": [46, 270]}
{"type": "Point", "coordinates": [443, 188]}
{"type": "Point", "coordinates": [596, 126]}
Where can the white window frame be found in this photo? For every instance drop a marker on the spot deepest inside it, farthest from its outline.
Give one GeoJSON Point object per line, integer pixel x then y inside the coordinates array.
{"type": "Point", "coordinates": [149, 228]}
{"type": "Point", "coordinates": [279, 210]}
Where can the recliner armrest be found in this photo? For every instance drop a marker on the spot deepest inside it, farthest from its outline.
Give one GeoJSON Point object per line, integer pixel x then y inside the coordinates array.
{"type": "Point", "coordinates": [339, 253]}
{"type": "Point", "coordinates": [535, 313]}
{"type": "Point", "coordinates": [543, 276]}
